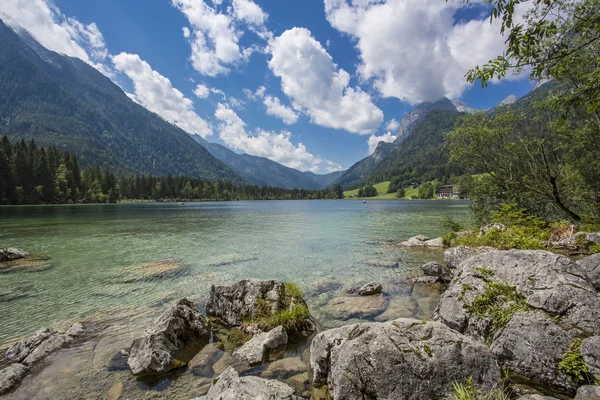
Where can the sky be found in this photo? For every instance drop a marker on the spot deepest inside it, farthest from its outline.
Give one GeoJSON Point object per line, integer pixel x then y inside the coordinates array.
{"type": "Point", "coordinates": [311, 84]}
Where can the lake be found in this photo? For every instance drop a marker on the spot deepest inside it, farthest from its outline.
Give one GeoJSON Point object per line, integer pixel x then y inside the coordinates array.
{"type": "Point", "coordinates": [94, 251]}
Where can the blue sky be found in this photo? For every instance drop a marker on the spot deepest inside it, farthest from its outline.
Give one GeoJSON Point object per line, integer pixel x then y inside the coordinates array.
{"type": "Point", "coordinates": [308, 83]}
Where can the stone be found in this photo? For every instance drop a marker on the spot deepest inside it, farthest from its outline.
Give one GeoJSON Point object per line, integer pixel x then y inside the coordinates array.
{"type": "Point", "coordinates": [299, 382]}
{"type": "Point", "coordinates": [437, 242]}
{"type": "Point", "coordinates": [204, 360]}
{"type": "Point", "coordinates": [532, 345]}
{"type": "Point", "coordinates": [591, 265]}
{"type": "Point", "coordinates": [422, 238]}
{"type": "Point", "coordinates": [257, 349]}
{"type": "Point", "coordinates": [253, 298]}
{"type": "Point", "coordinates": [115, 391]}
{"type": "Point", "coordinates": [499, 227]}
{"type": "Point", "coordinates": [398, 359]}
{"type": "Point", "coordinates": [326, 285]}
{"type": "Point", "coordinates": [171, 341]}
{"type": "Point", "coordinates": [149, 271]}
{"type": "Point", "coordinates": [11, 376]}
{"type": "Point", "coordinates": [437, 270]}
{"type": "Point", "coordinates": [230, 386]}
{"type": "Point", "coordinates": [399, 307]}
{"type": "Point", "coordinates": [422, 241]}
{"type": "Point", "coordinates": [536, 397]}
{"type": "Point", "coordinates": [427, 280]}
{"type": "Point", "coordinates": [346, 307]}
{"type": "Point", "coordinates": [370, 289]}
{"type": "Point", "coordinates": [593, 237]}
{"type": "Point", "coordinates": [284, 368]}
{"type": "Point", "coordinates": [590, 351]}
{"type": "Point", "coordinates": [588, 392]}
{"type": "Point", "coordinates": [12, 254]}
{"type": "Point", "coordinates": [455, 255]}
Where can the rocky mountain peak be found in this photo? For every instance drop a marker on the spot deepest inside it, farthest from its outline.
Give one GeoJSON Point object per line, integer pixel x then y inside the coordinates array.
{"type": "Point", "coordinates": [509, 100]}
{"type": "Point", "coordinates": [412, 118]}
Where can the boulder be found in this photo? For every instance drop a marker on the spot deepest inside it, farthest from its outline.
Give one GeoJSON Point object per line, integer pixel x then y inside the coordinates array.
{"type": "Point", "coordinates": [437, 270]}
{"type": "Point", "coordinates": [536, 397]}
{"type": "Point", "coordinates": [230, 386]}
{"type": "Point", "coordinates": [593, 237]}
{"type": "Point", "coordinates": [437, 242]}
{"type": "Point", "coordinates": [285, 368]}
{"type": "Point", "coordinates": [12, 254]}
{"type": "Point", "coordinates": [588, 393]}
{"type": "Point", "coordinates": [402, 359]}
{"type": "Point", "coordinates": [532, 345]}
{"type": "Point", "coordinates": [370, 289]}
{"type": "Point", "coordinates": [542, 280]}
{"type": "Point", "coordinates": [506, 298]}
{"type": "Point", "coordinates": [422, 238]}
{"type": "Point", "coordinates": [426, 280]}
{"type": "Point", "coordinates": [591, 265]}
{"type": "Point", "coordinates": [346, 307]}
{"type": "Point", "coordinates": [11, 376]}
{"type": "Point", "coordinates": [171, 341]}
{"type": "Point", "coordinates": [255, 299]}
{"type": "Point", "coordinates": [422, 241]}
{"type": "Point", "coordinates": [590, 351]}
{"type": "Point", "coordinates": [455, 255]}
{"type": "Point", "coordinates": [257, 349]}
{"type": "Point", "coordinates": [498, 227]}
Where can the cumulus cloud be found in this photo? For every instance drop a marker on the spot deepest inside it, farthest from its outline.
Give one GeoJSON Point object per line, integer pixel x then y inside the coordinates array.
{"type": "Point", "coordinates": [318, 87]}
{"type": "Point", "coordinates": [274, 146]}
{"type": "Point", "coordinates": [249, 11]}
{"type": "Point", "coordinates": [413, 49]}
{"type": "Point", "coordinates": [202, 91]}
{"type": "Point", "coordinates": [45, 22]}
{"type": "Point", "coordinates": [276, 109]}
{"type": "Point", "coordinates": [156, 93]}
{"type": "Point", "coordinates": [374, 140]}
{"type": "Point", "coordinates": [392, 125]}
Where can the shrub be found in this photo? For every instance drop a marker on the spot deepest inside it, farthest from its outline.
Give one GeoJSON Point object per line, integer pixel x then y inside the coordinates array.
{"type": "Point", "coordinates": [595, 248]}
{"type": "Point", "coordinates": [452, 225]}
{"type": "Point", "coordinates": [573, 364]}
{"type": "Point", "coordinates": [468, 391]}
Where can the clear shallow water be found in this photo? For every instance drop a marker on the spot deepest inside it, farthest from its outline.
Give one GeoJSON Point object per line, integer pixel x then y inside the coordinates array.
{"type": "Point", "coordinates": [92, 249]}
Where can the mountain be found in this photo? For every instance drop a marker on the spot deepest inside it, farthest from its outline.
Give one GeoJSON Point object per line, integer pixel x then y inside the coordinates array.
{"type": "Point", "coordinates": [262, 171]}
{"type": "Point", "coordinates": [324, 180]}
{"type": "Point", "coordinates": [62, 101]}
{"type": "Point", "coordinates": [463, 107]}
{"type": "Point", "coordinates": [357, 175]}
{"type": "Point", "coordinates": [422, 156]}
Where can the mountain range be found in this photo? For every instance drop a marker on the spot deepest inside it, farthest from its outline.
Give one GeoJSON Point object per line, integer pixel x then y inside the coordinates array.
{"type": "Point", "coordinates": [62, 101]}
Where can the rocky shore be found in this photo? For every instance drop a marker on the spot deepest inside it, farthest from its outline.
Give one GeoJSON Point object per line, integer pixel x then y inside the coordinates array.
{"type": "Point", "coordinates": [524, 322]}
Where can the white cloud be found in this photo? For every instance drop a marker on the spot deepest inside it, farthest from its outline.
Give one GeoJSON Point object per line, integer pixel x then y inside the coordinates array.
{"type": "Point", "coordinates": [318, 87]}
{"type": "Point", "coordinates": [53, 30]}
{"type": "Point", "coordinates": [412, 49]}
{"type": "Point", "coordinates": [202, 91]}
{"type": "Point", "coordinates": [374, 140]}
{"type": "Point", "coordinates": [249, 11]}
{"type": "Point", "coordinates": [156, 93]}
{"type": "Point", "coordinates": [392, 125]}
{"type": "Point", "coordinates": [214, 39]}
{"type": "Point", "coordinates": [186, 32]}
{"type": "Point", "coordinates": [276, 109]}
{"type": "Point", "coordinates": [274, 146]}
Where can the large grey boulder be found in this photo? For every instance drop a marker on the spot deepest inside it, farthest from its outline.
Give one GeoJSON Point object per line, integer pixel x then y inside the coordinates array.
{"type": "Point", "coordinates": [230, 386]}
{"type": "Point", "coordinates": [590, 351]}
{"type": "Point", "coordinates": [402, 359]}
{"type": "Point", "coordinates": [546, 281]}
{"type": "Point", "coordinates": [257, 349]}
{"type": "Point", "coordinates": [435, 269]}
{"type": "Point", "coordinates": [532, 345]}
{"type": "Point", "coordinates": [455, 255]}
{"type": "Point", "coordinates": [12, 254]}
{"type": "Point", "coordinates": [588, 393]}
{"type": "Point", "coordinates": [11, 376]}
{"type": "Point", "coordinates": [254, 299]}
{"type": "Point", "coordinates": [591, 265]}
{"type": "Point", "coordinates": [507, 298]}
{"type": "Point", "coordinates": [593, 237]}
{"type": "Point", "coordinates": [171, 341]}
{"type": "Point", "coordinates": [422, 241]}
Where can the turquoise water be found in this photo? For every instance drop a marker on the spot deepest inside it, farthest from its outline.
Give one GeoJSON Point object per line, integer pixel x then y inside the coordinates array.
{"type": "Point", "coordinates": [92, 249]}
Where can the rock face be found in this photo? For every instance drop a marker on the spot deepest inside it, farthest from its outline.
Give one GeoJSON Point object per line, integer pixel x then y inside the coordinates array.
{"type": "Point", "coordinates": [588, 393]}
{"type": "Point", "coordinates": [230, 386]}
{"type": "Point", "coordinates": [507, 298]}
{"type": "Point", "coordinates": [455, 255]}
{"type": "Point", "coordinates": [591, 265]}
{"type": "Point", "coordinates": [370, 289]}
{"type": "Point", "coordinates": [593, 237]}
{"type": "Point", "coordinates": [170, 341]}
{"type": "Point", "coordinates": [403, 359]}
{"type": "Point", "coordinates": [257, 349]}
{"type": "Point", "coordinates": [590, 351]}
{"type": "Point", "coordinates": [12, 254]}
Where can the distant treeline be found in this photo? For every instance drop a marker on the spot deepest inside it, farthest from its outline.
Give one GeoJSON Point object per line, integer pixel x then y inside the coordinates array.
{"type": "Point", "coordinates": [31, 174]}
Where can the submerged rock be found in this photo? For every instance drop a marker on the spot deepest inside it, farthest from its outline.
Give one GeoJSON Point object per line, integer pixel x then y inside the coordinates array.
{"type": "Point", "coordinates": [591, 265]}
{"type": "Point", "coordinates": [11, 376]}
{"type": "Point", "coordinates": [257, 349]}
{"type": "Point", "coordinates": [347, 307]}
{"type": "Point", "coordinates": [422, 241]}
{"type": "Point", "coordinates": [26, 264]}
{"type": "Point", "coordinates": [285, 368]}
{"type": "Point", "coordinates": [148, 271]}
{"type": "Point", "coordinates": [230, 386]}
{"type": "Point", "coordinates": [370, 289]}
{"type": "Point", "coordinates": [170, 341]}
{"type": "Point", "coordinates": [403, 359]}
